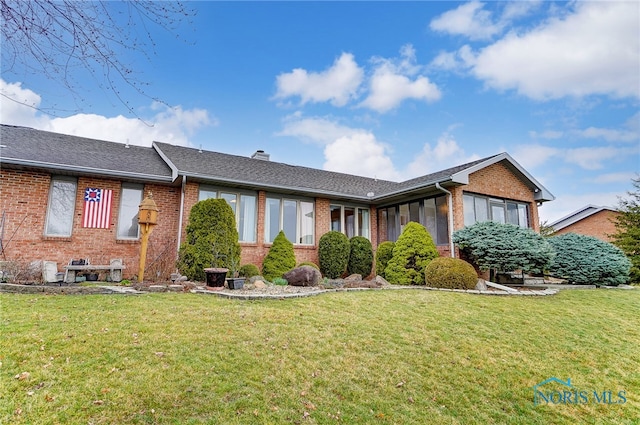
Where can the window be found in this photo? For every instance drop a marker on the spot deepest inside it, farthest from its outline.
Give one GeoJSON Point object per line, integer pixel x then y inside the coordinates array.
{"type": "Point", "coordinates": [432, 213]}
{"type": "Point", "coordinates": [479, 208]}
{"type": "Point", "coordinates": [293, 216]}
{"type": "Point", "coordinates": [62, 201]}
{"type": "Point", "coordinates": [130, 199]}
{"type": "Point", "coordinates": [352, 221]}
{"type": "Point", "coordinates": [243, 206]}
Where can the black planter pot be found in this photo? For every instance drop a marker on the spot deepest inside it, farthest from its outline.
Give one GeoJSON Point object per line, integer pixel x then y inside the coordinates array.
{"type": "Point", "coordinates": [235, 282]}
{"type": "Point", "coordinates": [216, 276]}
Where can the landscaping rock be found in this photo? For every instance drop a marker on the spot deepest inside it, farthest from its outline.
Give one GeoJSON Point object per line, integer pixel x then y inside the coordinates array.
{"type": "Point", "coordinates": [303, 276]}
{"type": "Point", "coordinates": [381, 281]}
{"type": "Point", "coordinates": [258, 284]}
{"type": "Point", "coordinates": [481, 285]}
{"type": "Point", "coordinates": [353, 277]}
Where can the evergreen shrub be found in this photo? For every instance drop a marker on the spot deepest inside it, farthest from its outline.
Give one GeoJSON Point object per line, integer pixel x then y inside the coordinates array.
{"type": "Point", "coordinates": [309, 263]}
{"type": "Point", "coordinates": [211, 239]}
{"type": "Point", "coordinates": [333, 254]}
{"type": "Point", "coordinates": [360, 256]}
{"type": "Point", "coordinates": [280, 258]}
{"type": "Point", "coordinates": [451, 273]}
{"type": "Point", "coordinates": [412, 253]}
{"type": "Point", "coordinates": [585, 260]}
{"type": "Point", "coordinates": [502, 247]}
{"type": "Point", "coordinates": [248, 270]}
{"type": "Point", "coordinates": [383, 255]}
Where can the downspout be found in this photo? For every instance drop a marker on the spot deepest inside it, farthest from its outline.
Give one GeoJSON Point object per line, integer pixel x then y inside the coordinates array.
{"type": "Point", "coordinates": [450, 214]}
{"type": "Point", "coordinates": [184, 185]}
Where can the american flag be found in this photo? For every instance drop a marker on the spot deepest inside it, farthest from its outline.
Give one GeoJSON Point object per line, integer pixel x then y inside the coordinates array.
{"type": "Point", "coordinates": [97, 208]}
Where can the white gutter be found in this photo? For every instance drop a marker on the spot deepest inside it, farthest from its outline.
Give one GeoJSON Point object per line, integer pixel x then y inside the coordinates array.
{"type": "Point", "coordinates": [184, 185]}
{"type": "Point", "coordinates": [450, 214]}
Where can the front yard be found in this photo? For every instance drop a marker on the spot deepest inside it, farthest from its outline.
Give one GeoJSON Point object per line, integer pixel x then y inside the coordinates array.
{"type": "Point", "coordinates": [388, 357]}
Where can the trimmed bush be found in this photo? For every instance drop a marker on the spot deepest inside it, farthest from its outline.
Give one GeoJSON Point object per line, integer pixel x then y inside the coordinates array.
{"type": "Point", "coordinates": [585, 260]}
{"type": "Point", "coordinates": [333, 253]}
{"type": "Point", "coordinates": [451, 273]}
{"type": "Point", "coordinates": [413, 251]}
{"type": "Point", "coordinates": [360, 256]}
{"type": "Point", "coordinates": [280, 258]}
{"type": "Point", "coordinates": [383, 255]}
{"type": "Point", "coordinates": [248, 270]}
{"type": "Point", "coordinates": [211, 240]}
{"type": "Point", "coordinates": [501, 247]}
{"type": "Point", "coordinates": [309, 263]}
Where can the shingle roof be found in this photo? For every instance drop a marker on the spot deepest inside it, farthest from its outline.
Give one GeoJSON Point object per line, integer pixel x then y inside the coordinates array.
{"type": "Point", "coordinates": [21, 146]}
{"type": "Point", "coordinates": [578, 215]}
{"type": "Point", "coordinates": [251, 172]}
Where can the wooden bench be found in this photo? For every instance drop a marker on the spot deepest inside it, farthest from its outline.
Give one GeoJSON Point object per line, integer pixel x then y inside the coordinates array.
{"type": "Point", "coordinates": [114, 269]}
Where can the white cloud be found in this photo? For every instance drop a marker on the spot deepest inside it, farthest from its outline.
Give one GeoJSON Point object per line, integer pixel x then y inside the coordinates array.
{"type": "Point", "coordinates": [360, 154]}
{"type": "Point", "coordinates": [469, 20]}
{"type": "Point", "coordinates": [446, 153]}
{"type": "Point", "coordinates": [608, 178]}
{"type": "Point", "coordinates": [547, 134]}
{"type": "Point", "coordinates": [318, 130]}
{"type": "Point", "coordinates": [170, 125]}
{"type": "Point", "coordinates": [392, 83]}
{"type": "Point", "coordinates": [460, 60]}
{"type": "Point", "coordinates": [338, 84]}
{"type": "Point", "coordinates": [592, 158]}
{"type": "Point", "coordinates": [595, 50]}
{"type": "Point", "coordinates": [532, 156]}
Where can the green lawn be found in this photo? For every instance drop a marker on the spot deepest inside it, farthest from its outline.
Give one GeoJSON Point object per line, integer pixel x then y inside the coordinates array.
{"type": "Point", "coordinates": [387, 357]}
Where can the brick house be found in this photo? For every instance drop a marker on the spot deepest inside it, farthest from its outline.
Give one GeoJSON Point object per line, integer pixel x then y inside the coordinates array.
{"type": "Point", "coordinates": [590, 220]}
{"type": "Point", "coordinates": [46, 180]}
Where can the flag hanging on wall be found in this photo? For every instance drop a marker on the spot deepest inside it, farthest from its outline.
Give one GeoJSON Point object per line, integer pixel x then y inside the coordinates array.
{"type": "Point", "coordinates": [97, 208]}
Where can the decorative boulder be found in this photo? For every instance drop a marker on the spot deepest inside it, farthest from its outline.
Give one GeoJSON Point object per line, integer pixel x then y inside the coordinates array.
{"type": "Point", "coordinates": [303, 276]}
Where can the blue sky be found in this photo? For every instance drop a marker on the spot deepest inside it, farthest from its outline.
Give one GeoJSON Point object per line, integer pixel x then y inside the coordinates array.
{"type": "Point", "coordinates": [390, 90]}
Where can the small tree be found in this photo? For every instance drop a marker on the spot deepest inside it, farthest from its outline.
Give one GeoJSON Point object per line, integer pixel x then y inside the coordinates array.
{"type": "Point", "coordinates": [212, 239]}
{"type": "Point", "coordinates": [333, 254]}
{"type": "Point", "coordinates": [503, 248]}
{"type": "Point", "coordinates": [280, 258]}
{"type": "Point", "coordinates": [360, 256]}
{"type": "Point", "coordinates": [627, 236]}
{"type": "Point", "coordinates": [383, 255]}
{"type": "Point", "coordinates": [414, 249]}
{"type": "Point", "coordinates": [587, 260]}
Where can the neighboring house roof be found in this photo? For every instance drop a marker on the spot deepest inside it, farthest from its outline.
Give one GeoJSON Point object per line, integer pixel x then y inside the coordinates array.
{"type": "Point", "coordinates": [25, 147]}
{"type": "Point", "coordinates": [576, 216]}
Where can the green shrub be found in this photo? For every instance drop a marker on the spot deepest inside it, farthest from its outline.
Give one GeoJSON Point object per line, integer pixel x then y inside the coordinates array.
{"type": "Point", "coordinates": [309, 263]}
{"type": "Point", "coordinates": [333, 253]}
{"type": "Point", "coordinates": [501, 247]}
{"type": "Point", "coordinates": [280, 281]}
{"type": "Point", "coordinates": [211, 239]}
{"type": "Point", "coordinates": [248, 270]}
{"type": "Point", "coordinates": [280, 258]}
{"type": "Point", "coordinates": [383, 255]}
{"type": "Point", "coordinates": [413, 251]}
{"type": "Point", "coordinates": [360, 256]}
{"type": "Point", "coordinates": [585, 260]}
{"type": "Point", "coordinates": [452, 273]}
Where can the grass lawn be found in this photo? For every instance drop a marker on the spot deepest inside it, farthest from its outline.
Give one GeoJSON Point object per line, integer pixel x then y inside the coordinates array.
{"type": "Point", "coordinates": [374, 357]}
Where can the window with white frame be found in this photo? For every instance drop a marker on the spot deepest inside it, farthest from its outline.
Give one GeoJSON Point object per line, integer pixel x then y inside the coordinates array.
{"type": "Point", "coordinates": [130, 199]}
{"type": "Point", "coordinates": [432, 213]}
{"type": "Point", "coordinates": [479, 208]}
{"type": "Point", "coordinates": [293, 216]}
{"type": "Point", "coordinates": [350, 220]}
{"type": "Point", "coordinates": [62, 201]}
{"type": "Point", "coordinates": [243, 205]}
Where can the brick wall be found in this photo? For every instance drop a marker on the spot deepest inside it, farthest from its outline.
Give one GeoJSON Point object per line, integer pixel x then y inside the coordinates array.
{"type": "Point", "coordinates": [599, 225]}
{"type": "Point", "coordinates": [24, 198]}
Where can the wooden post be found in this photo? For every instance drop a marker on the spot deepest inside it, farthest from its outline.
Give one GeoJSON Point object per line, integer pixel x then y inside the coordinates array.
{"type": "Point", "coordinates": [147, 219]}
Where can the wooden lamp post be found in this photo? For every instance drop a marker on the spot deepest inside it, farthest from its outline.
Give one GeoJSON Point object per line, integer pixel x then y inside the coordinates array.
{"type": "Point", "coordinates": [147, 219]}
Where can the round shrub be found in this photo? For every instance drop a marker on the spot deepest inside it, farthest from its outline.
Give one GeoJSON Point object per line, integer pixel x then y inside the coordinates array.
{"type": "Point", "coordinates": [585, 260]}
{"type": "Point", "coordinates": [333, 253]}
{"type": "Point", "coordinates": [280, 258]}
{"type": "Point", "coordinates": [413, 251]}
{"type": "Point", "coordinates": [451, 273]}
{"type": "Point", "coordinates": [211, 240]}
{"type": "Point", "coordinates": [248, 270]}
{"type": "Point", "coordinates": [309, 263]}
{"type": "Point", "coordinates": [383, 255]}
{"type": "Point", "coordinates": [360, 256]}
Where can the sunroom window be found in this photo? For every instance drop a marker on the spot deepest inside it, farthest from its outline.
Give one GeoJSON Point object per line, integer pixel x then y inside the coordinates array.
{"type": "Point", "coordinates": [293, 216]}
{"type": "Point", "coordinates": [243, 206]}
{"type": "Point", "coordinates": [351, 220]}
{"type": "Point", "coordinates": [479, 208]}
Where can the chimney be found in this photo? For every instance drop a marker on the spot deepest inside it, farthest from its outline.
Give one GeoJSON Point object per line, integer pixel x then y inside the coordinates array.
{"type": "Point", "coordinates": [260, 155]}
